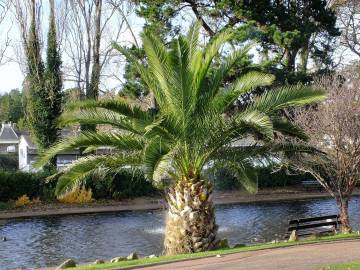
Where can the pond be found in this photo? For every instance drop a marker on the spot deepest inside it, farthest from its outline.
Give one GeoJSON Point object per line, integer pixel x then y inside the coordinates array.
{"type": "Point", "coordinates": [47, 241]}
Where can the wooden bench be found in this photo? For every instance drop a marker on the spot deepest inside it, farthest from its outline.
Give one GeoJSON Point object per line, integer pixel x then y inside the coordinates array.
{"type": "Point", "coordinates": [314, 225]}
{"type": "Point", "coordinates": [311, 184]}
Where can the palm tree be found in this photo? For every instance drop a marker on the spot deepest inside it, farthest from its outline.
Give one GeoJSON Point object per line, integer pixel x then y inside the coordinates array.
{"type": "Point", "coordinates": [192, 128]}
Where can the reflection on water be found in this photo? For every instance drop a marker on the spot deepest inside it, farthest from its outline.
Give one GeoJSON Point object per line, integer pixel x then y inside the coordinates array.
{"type": "Point", "coordinates": [46, 241]}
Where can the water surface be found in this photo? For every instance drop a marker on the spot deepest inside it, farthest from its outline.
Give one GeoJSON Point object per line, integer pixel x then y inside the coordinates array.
{"type": "Point", "coordinates": [47, 241]}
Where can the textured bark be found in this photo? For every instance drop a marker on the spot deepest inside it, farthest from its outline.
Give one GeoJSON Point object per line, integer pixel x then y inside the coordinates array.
{"type": "Point", "coordinates": [190, 223]}
{"type": "Point", "coordinates": [344, 215]}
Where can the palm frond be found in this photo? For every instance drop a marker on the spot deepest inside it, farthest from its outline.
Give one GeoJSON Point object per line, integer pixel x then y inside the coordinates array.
{"type": "Point", "coordinates": [93, 116]}
{"type": "Point", "coordinates": [153, 155]}
{"type": "Point", "coordinates": [93, 140]}
{"type": "Point", "coordinates": [144, 73]}
{"type": "Point", "coordinates": [257, 122]}
{"type": "Point", "coordinates": [204, 61]}
{"type": "Point", "coordinates": [245, 174]}
{"type": "Point", "coordinates": [118, 106]}
{"type": "Point", "coordinates": [181, 91]}
{"type": "Point", "coordinates": [287, 96]}
{"type": "Point", "coordinates": [74, 175]}
{"type": "Point", "coordinates": [193, 38]}
{"type": "Point", "coordinates": [288, 128]}
{"type": "Point", "coordinates": [244, 84]}
{"type": "Point", "coordinates": [216, 81]}
{"type": "Point", "coordinates": [158, 64]}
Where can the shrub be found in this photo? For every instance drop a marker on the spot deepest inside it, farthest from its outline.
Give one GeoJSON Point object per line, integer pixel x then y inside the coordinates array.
{"type": "Point", "coordinates": [36, 200]}
{"type": "Point", "coordinates": [266, 178]}
{"type": "Point", "coordinates": [15, 184]}
{"type": "Point", "coordinates": [6, 205]}
{"type": "Point", "coordinates": [78, 196]}
{"type": "Point", "coordinates": [125, 184]}
{"type": "Point", "coordinates": [8, 162]}
{"type": "Point", "coordinates": [22, 201]}
{"type": "Point", "coordinates": [224, 180]}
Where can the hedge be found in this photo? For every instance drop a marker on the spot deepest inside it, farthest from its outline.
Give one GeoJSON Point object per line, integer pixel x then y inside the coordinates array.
{"type": "Point", "coordinates": [125, 184]}
{"type": "Point", "coordinates": [8, 161]}
{"type": "Point", "coordinates": [224, 180]}
{"type": "Point", "coordinates": [14, 184]}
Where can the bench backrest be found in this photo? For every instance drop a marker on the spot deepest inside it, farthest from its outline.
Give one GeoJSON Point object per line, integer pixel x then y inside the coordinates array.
{"type": "Point", "coordinates": [314, 222]}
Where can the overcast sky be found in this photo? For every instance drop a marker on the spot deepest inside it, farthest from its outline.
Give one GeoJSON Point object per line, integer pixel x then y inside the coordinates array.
{"type": "Point", "coordinates": [11, 74]}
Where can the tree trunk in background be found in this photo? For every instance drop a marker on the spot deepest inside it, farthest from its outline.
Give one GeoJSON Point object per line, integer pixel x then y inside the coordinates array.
{"type": "Point", "coordinates": [304, 57]}
{"type": "Point", "coordinates": [92, 92]}
{"type": "Point", "coordinates": [190, 225]}
{"type": "Point", "coordinates": [290, 56]}
{"type": "Point", "coordinates": [344, 214]}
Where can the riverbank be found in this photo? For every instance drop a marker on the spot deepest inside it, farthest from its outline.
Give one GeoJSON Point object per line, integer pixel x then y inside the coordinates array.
{"type": "Point", "coordinates": [153, 203]}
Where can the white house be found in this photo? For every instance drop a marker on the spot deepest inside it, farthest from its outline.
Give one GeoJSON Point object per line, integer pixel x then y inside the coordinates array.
{"type": "Point", "coordinates": [9, 138]}
{"type": "Point", "coordinates": [28, 153]}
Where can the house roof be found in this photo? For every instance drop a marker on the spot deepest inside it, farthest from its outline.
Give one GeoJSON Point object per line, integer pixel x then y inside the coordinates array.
{"type": "Point", "coordinates": [8, 134]}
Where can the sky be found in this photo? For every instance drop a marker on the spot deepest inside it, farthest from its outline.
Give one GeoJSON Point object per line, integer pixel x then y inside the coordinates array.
{"type": "Point", "coordinates": [11, 74]}
{"type": "Point", "coordinates": [11, 77]}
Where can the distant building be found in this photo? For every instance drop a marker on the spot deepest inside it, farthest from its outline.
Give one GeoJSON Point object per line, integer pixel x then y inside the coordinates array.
{"type": "Point", "coordinates": [9, 138]}
{"type": "Point", "coordinates": [28, 153]}
{"type": "Point", "coordinates": [14, 142]}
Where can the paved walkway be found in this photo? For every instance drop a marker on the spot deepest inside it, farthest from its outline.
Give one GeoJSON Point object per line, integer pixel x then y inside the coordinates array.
{"type": "Point", "coordinates": [302, 257]}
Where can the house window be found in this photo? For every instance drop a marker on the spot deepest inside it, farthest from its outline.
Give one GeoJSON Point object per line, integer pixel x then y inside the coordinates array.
{"type": "Point", "coordinates": [11, 149]}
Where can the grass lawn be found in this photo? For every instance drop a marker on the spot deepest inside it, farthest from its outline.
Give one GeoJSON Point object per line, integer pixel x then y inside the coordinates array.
{"type": "Point", "coordinates": [163, 259]}
{"type": "Point", "coordinates": [348, 266]}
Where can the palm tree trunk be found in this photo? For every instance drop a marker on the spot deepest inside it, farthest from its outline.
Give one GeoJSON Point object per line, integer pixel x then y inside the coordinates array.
{"type": "Point", "coordinates": [344, 215]}
{"type": "Point", "coordinates": [190, 223]}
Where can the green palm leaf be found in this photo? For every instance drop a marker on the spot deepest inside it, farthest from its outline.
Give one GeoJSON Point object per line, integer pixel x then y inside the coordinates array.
{"type": "Point", "coordinates": [244, 84]}
{"type": "Point", "coordinates": [285, 97]}
{"type": "Point", "coordinates": [75, 174]}
{"type": "Point", "coordinates": [93, 140]}
{"type": "Point", "coordinates": [117, 106]}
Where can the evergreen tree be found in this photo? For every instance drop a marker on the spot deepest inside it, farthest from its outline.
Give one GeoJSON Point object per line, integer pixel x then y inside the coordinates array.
{"type": "Point", "coordinates": [37, 101]}
{"type": "Point", "coordinates": [53, 79]}
{"type": "Point", "coordinates": [285, 29]}
{"type": "Point", "coordinates": [44, 85]}
{"type": "Point", "coordinates": [11, 109]}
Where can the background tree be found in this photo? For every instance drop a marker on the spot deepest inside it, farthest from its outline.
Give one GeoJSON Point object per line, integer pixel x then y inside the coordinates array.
{"type": "Point", "coordinates": [37, 103]}
{"type": "Point", "coordinates": [53, 80]}
{"type": "Point", "coordinates": [334, 128]}
{"type": "Point", "coordinates": [11, 107]}
{"type": "Point", "coordinates": [189, 131]}
{"type": "Point", "coordinates": [44, 85]}
{"type": "Point", "coordinates": [90, 28]}
{"type": "Point", "coordinates": [5, 39]}
{"type": "Point", "coordinates": [287, 30]}
{"type": "Point", "coordinates": [349, 24]}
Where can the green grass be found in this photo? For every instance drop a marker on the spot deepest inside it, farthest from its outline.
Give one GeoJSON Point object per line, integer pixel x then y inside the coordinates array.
{"type": "Point", "coordinates": [348, 266]}
{"type": "Point", "coordinates": [180, 257]}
